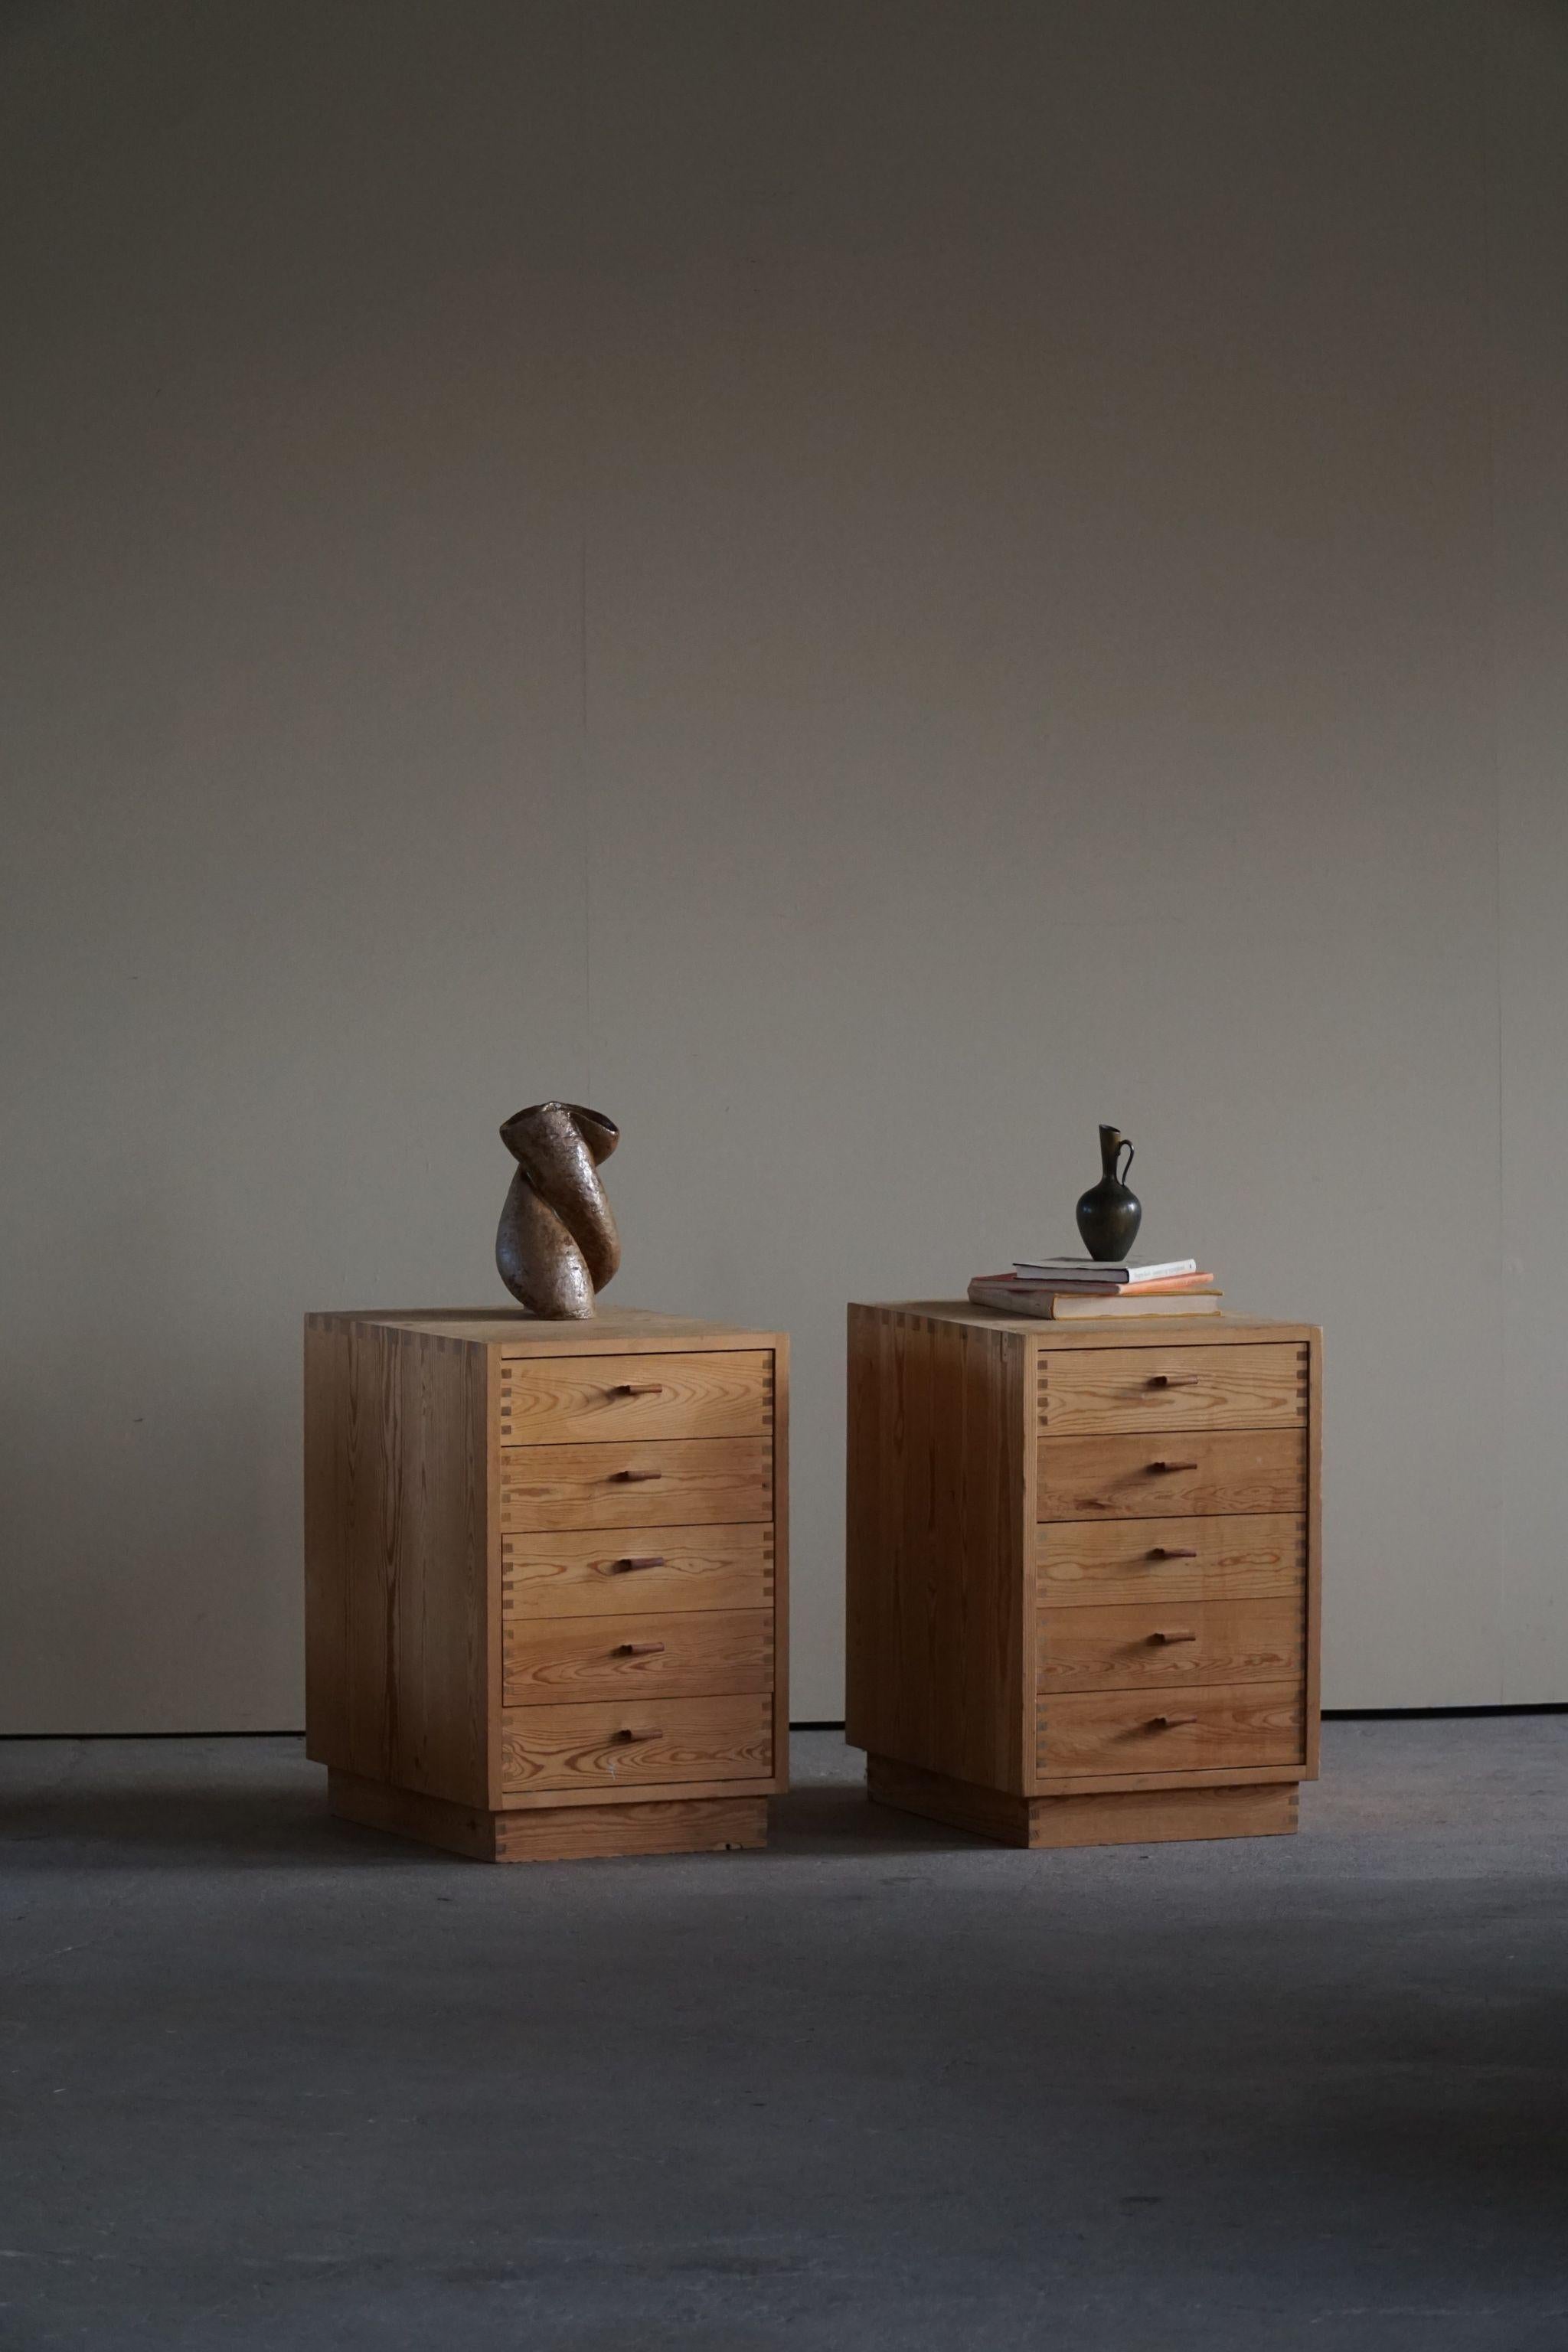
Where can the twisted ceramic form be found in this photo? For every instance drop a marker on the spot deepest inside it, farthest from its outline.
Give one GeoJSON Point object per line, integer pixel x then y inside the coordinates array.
{"type": "Point", "coordinates": [557, 1243]}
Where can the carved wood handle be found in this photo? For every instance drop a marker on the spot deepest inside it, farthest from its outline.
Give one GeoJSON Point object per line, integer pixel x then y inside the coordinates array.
{"type": "Point", "coordinates": [636, 1560]}
{"type": "Point", "coordinates": [1174, 1551]}
{"type": "Point", "coordinates": [636, 1649]}
{"type": "Point", "coordinates": [641, 1477]}
{"type": "Point", "coordinates": [1173, 1379]}
{"type": "Point", "coordinates": [1170, 1722]}
{"type": "Point", "coordinates": [1173, 1465]}
{"type": "Point", "coordinates": [1174, 1633]}
{"type": "Point", "coordinates": [626, 1735]}
{"type": "Point", "coordinates": [636, 1388]}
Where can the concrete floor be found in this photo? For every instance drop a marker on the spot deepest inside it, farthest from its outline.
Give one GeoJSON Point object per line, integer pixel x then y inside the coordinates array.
{"type": "Point", "coordinates": [276, 2082]}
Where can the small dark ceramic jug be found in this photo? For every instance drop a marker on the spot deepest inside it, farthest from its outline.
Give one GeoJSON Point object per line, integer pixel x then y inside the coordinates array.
{"type": "Point", "coordinates": [1109, 1215]}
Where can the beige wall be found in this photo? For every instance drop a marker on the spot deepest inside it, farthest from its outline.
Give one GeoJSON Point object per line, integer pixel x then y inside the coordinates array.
{"type": "Point", "coordinates": [864, 584]}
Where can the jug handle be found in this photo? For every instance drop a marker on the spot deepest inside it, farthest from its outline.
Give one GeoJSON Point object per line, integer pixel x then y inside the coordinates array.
{"type": "Point", "coordinates": [1126, 1164]}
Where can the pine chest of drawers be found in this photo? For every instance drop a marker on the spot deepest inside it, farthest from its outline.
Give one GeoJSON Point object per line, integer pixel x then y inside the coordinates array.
{"type": "Point", "coordinates": [545, 1580]}
{"type": "Point", "coordinates": [1083, 1571]}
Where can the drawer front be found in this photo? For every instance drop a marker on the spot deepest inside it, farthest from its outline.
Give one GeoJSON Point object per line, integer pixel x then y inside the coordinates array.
{"type": "Point", "coordinates": [1117, 1388]}
{"type": "Point", "coordinates": [567, 1400]}
{"type": "Point", "coordinates": [690, 1654]}
{"type": "Point", "coordinates": [1138, 1645]}
{"type": "Point", "coordinates": [1095, 1563]}
{"type": "Point", "coordinates": [1203, 1472]}
{"type": "Point", "coordinates": [593, 1573]}
{"type": "Point", "coordinates": [626, 1744]}
{"type": "Point", "coordinates": [1198, 1730]}
{"type": "Point", "coordinates": [673, 1482]}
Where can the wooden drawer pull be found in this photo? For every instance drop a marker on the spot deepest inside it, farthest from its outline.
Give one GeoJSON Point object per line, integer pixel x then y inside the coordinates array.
{"type": "Point", "coordinates": [626, 1735]}
{"type": "Point", "coordinates": [1174, 1551]}
{"type": "Point", "coordinates": [1173, 1379]}
{"type": "Point", "coordinates": [636, 1388]}
{"type": "Point", "coordinates": [640, 1477]}
{"type": "Point", "coordinates": [1170, 1722]}
{"type": "Point", "coordinates": [636, 1560]}
{"type": "Point", "coordinates": [636, 1649]}
{"type": "Point", "coordinates": [1158, 1467]}
{"type": "Point", "coordinates": [1174, 1633]}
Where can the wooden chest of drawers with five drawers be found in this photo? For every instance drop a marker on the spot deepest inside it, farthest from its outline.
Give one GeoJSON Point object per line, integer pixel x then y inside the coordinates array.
{"type": "Point", "coordinates": [1083, 1571]}
{"type": "Point", "coordinates": [545, 1580]}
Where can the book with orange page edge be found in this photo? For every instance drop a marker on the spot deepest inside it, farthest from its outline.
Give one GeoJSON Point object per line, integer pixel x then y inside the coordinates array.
{"type": "Point", "coordinates": [1078, 1304]}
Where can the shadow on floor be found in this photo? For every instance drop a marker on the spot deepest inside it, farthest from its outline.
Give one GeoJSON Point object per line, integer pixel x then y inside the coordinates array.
{"type": "Point", "coordinates": [829, 1817]}
{"type": "Point", "coordinates": [239, 1824]}
{"type": "Point", "coordinates": [231, 1828]}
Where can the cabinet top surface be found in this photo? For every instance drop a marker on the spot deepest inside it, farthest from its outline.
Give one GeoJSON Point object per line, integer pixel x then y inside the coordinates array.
{"type": "Point", "coordinates": [518, 1334]}
{"type": "Point", "coordinates": [1115, 1331]}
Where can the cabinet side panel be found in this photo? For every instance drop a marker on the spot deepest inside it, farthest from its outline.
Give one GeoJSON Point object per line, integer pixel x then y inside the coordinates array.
{"type": "Point", "coordinates": [370, 1434]}
{"type": "Point", "coordinates": [1314, 1548]}
{"type": "Point", "coordinates": [327, 1738]}
{"type": "Point", "coordinates": [870, 1682]}
{"type": "Point", "coordinates": [890, 1697]}
{"type": "Point", "coordinates": [981, 1552]}
{"type": "Point", "coordinates": [485, 1440]}
{"type": "Point", "coordinates": [781, 1562]}
{"type": "Point", "coordinates": [441, 1655]}
{"type": "Point", "coordinates": [413, 1497]}
{"type": "Point", "coordinates": [938, 1460]}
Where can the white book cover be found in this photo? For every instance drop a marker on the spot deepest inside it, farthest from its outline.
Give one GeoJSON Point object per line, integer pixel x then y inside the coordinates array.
{"type": "Point", "coordinates": [1088, 1269]}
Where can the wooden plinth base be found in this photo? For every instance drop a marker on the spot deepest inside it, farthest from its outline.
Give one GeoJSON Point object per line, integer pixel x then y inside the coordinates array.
{"type": "Point", "coordinates": [662, 1825]}
{"type": "Point", "coordinates": [1140, 1817]}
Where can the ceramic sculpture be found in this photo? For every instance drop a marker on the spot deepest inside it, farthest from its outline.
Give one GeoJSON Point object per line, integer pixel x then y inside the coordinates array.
{"type": "Point", "coordinates": [557, 1243]}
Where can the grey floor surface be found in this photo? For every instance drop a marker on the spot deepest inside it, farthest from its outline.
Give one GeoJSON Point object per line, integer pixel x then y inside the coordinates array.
{"type": "Point", "coordinates": [272, 2080]}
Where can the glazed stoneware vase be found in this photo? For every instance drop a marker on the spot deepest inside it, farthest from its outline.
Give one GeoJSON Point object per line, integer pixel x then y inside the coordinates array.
{"type": "Point", "coordinates": [1108, 1215]}
{"type": "Point", "coordinates": [557, 1243]}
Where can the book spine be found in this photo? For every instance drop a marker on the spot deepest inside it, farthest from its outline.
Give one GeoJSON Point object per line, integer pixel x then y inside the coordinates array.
{"type": "Point", "coordinates": [986, 1293]}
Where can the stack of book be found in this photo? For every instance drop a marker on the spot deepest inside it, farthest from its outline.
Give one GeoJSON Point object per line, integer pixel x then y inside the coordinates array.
{"type": "Point", "coordinates": [1079, 1289]}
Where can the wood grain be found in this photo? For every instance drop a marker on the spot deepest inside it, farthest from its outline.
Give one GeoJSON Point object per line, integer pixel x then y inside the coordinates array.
{"type": "Point", "coordinates": [1109, 1389]}
{"type": "Point", "coordinates": [666, 1825]}
{"type": "Point", "coordinates": [606, 1743]}
{"type": "Point", "coordinates": [1138, 1645]}
{"type": "Point", "coordinates": [969, 1805]}
{"type": "Point", "coordinates": [939, 1456]}
{"type": "Point", "coordinates": [671, 1482]}
{"type": "Point", "coordinates": [595, 1572]}
{"type": "Point", "coordinates": [1314, 1553]}
{"type": "Point", "coordinates": [1255, 1557]}
{"type": "Point", "coordinates": [779, 1559]}
{"type": "Point", "coordinates": [689, 1653]}
{"type": "Point", "coordinates": [1223, 1330]}
{"type": "Point", "coordinates": [398, 1559]}
{"type": "Point", "coordinates": [1155, 1818]}
{"type": "Point", "coordinates": [1182, 1731]}
{"type": "Point", "coordinates": [1077, 1782]}
{"type": "Point", "coordinates": [513, 1333]}
{"type": "Point", "coordinates": [1118, 1818]}
{"type": "Point", "coordinates": [671, 1825]}
{"type": "Point", "coordinates": [1209, 1473]}
{"type": "Point", "coordinates": [562, 1399]}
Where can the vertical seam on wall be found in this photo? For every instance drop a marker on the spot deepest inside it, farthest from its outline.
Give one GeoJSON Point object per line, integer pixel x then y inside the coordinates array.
{"type": "Point", "coordinates": [1488, 339]}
